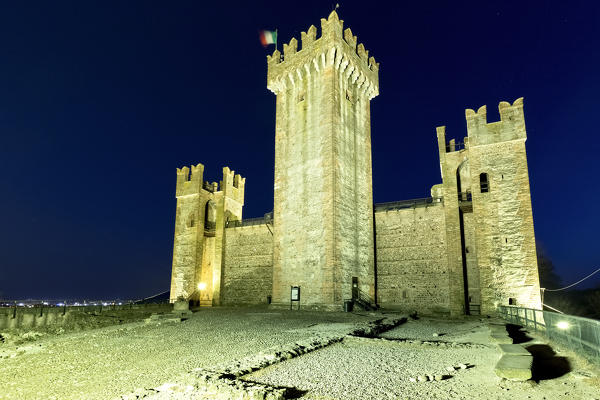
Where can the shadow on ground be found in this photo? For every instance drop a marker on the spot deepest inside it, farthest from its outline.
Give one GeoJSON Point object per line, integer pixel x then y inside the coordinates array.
{"type": "Point", "coordinates": [290, 391]}
{"type": "Point", "coordinates": [546, 365]}
{"type": "Point", "coordinates": [517, 334]}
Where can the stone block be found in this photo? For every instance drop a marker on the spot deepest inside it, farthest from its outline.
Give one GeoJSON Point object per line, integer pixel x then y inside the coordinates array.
{"type": "Point", "coordinates": [513, 349]}
{"type": "Point", "coordinates": [514, 368]}
{"type": "Point", "coordinates": [501, 339]}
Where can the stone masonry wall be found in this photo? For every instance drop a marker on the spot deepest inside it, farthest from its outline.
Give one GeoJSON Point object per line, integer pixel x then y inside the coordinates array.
{"type": "Point", "coordinates": [323, 196]}
{"type": "Point", "coordinates": [412, 270]}
{"type": "Point", "coordinates": [248, 270]}
{"type": "Point", "coordinates": [505, 236]}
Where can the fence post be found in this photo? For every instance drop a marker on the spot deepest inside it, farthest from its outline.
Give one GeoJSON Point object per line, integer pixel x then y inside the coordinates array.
{"type": "Point", "coordinates": [534, 320]}
{"type": "Point", "coordinates": [15, 311]}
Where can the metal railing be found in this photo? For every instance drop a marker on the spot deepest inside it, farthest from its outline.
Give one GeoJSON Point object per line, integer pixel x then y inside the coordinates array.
{"type": "Point", "coordinates": [210, 187]}
{"type": "Point", "coordinates": [452, 147]}
{"type": "Point", "coordinates": [413, 203]}
{"type": "Point", "coordinates": [266, 219]}
{"type": "Point", "coordinates": [581, 335]}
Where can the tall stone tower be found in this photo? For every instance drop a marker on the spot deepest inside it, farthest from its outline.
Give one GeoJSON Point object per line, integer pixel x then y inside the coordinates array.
{"type": "Point", "coordinates": [323, 211]}
{"type": "Point", "coordinates": [489, 221]}
{"type": "Point", "coordinates": [203, 210]}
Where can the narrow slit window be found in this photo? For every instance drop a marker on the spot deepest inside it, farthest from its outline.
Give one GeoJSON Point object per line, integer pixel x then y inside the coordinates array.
{"type": "Point", "coordinates": [349, 96]}
{"type": "Point", "coordinates": [484, 183]}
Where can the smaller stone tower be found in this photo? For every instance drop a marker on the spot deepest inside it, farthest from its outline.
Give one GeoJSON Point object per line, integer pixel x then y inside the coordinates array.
{"type": "Point", "coordinates": [203, 210]}
{"type": "Point", "coordinates": [489, 221]}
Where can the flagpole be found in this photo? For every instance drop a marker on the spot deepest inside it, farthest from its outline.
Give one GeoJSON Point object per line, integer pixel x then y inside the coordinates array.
{"type": "Point", "coordinates": [276, 38]}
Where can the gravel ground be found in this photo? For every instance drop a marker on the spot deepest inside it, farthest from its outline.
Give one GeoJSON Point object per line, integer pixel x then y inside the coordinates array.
{"type": "Point", "coordinates": [109, 362]}
{"type": "Point", "coordinates": [361, 368]}
{"type": "Point", "coordinates": [459, 330]}
{"type": "Point", "coordinates": [105, 363]}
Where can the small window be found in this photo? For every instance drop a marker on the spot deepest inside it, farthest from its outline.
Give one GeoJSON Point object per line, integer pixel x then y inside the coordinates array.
{"type": "Point", "coordinates": [192, 221]}
{"type": "Point", "coordinates": [484, 183]}
{"type": "Point", "coordinates": [512, 301]}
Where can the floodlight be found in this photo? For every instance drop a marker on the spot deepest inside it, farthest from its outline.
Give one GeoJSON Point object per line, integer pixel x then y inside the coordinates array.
{"type": "Point", "coordinates": [563, 325]}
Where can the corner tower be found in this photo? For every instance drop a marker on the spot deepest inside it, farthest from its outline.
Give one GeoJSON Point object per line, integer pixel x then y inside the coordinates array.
{"type": "Point", "coordinates": [489, 218]}
{"type": "Point", "coordinates": [323, 211]}
{"type": "Point", "coordinates": [203, 210]}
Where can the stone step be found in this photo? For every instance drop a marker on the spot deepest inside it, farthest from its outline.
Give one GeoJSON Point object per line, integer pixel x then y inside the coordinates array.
{"type": "Point", "coordinates": [513, 349]}
{"type": "Point", "coordinates": [501, 339]}
{"type": "Point", "coordinates": [498, 329]}
{"type": "Point", "coordinates": [514, 367]}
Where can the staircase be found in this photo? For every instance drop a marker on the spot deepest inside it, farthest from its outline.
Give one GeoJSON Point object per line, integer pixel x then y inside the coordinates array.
{"type": "Point", "coordinates": [363, 300]}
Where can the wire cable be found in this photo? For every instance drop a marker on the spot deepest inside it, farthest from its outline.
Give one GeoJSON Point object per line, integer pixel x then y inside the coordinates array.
{"type": "Point", "coordinates": [576, 283]}
{"type": "Point", "coordinates": [154, 295]}
{"type": "Point", "coordinates": [552, 308]}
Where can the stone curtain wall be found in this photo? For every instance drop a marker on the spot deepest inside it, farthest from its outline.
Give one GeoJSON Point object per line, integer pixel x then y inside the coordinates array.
{"type": "Point", "coordinates": [248, 269]}
{"type": "Point", "coordinates": [411, 259]}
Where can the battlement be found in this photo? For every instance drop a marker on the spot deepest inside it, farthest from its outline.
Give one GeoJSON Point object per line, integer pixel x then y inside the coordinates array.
{"type": "Point", "coordinates": [336, 47]}
{"type": "Point", "coordinates": [233, 185]}
{"type": "Point", "coordinates": [189, 183]}
{"type": "Point", "coordinates": [510, 127]}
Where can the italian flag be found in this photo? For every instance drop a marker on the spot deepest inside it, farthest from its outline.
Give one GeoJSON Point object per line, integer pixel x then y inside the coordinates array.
{"type": "Point", "coordinates": [268, 37]}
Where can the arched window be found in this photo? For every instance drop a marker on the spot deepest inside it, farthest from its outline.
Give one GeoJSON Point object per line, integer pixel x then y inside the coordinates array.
{"type": "Point", "coordinates": [210, 216]}
{"type": "Point", "coordinates": [484, 183]}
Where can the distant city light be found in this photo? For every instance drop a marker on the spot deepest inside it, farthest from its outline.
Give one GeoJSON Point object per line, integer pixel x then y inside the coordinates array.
{"type": "Point", "coordinates": [563, 325]}
{"type": "Point", "coordinates": [201, 286]}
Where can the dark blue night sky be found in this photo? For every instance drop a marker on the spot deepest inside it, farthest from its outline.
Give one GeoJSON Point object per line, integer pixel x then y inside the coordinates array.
{"type": "Point", "coordinates": [101, 101]}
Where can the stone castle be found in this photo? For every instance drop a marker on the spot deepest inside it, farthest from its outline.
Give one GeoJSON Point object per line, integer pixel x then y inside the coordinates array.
{"type": "Point", "coordinates": [465, 250]}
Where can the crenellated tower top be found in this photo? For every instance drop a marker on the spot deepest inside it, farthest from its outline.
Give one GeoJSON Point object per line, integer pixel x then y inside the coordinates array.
{"type": "Point", "coordinates": [189, 183]}
{"type": "Point", "coordinates": [510, 127]}
{"type": "Point", "coordinates": [233, 185]}
{"type": "Point", "coordinates": [336, 47]}
{"type": "Point", "coordinates": [479, 132]}
{"type": "Point", "coordinates": [192, 183]}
